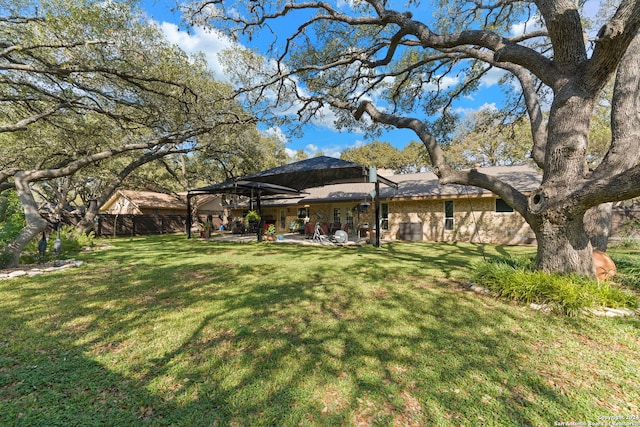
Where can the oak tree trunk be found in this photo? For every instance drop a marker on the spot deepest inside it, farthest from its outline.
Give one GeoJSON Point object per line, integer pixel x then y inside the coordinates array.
{"type": "Point", "coordinates": [87, 224]}
{"type": "Point", "coordinates": [35, 223]}
{"type": "Point", "coordinates": [563, 245]}
{"type": "Point", "coordinates": [597, 222]}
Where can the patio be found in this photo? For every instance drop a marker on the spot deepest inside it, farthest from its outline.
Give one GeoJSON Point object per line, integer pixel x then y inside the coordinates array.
{"type": "Point", "coordinates": [290, 180]}
{"type": "Point", "coordinates": [291, 238]}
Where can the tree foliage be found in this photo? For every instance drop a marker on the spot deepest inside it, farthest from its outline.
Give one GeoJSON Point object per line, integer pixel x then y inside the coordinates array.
{"type": "Point", "coordinates": [412, 158]}
{"type": "Point", "coordinates": [95, 90]}
{"type": "Point", "coordinates": [485, 139]}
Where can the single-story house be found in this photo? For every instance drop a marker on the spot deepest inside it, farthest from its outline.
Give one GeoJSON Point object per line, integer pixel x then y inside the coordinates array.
{"type": "Point", "coordinates": [419, 209]}
{"type": "Point", "coordinates": [131, 202]}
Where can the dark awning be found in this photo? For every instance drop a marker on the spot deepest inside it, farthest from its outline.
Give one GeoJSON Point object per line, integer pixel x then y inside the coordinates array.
{"type": "Point", "coordinates": [244, 188]}
{"type": "Point", "coordinates": [316, 172]}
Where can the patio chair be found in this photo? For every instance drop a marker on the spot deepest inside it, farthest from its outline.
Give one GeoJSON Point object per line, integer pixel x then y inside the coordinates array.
{"type": "Point", "coordinates": [321, 233]}
{"type": "Point", "coordinates": [308, 230]}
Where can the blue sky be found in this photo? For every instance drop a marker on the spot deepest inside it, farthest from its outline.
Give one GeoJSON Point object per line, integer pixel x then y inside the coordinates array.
{"type": "Point", "coordinates": [320, 137]}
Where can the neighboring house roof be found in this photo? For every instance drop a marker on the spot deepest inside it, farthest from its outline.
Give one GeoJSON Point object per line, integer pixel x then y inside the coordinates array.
{"type": "Point", "coordinates": [147, 200]}
{"type": "Point", "coordinates": [417, 186]}
{"type": "Point", "coordinates": [202, 200]}
{"type": "Point", "coordinates": [523, 178]}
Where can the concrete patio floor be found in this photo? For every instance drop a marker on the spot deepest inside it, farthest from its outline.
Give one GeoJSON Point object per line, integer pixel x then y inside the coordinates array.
{"type": "Point", "coordinates": [292, 238]}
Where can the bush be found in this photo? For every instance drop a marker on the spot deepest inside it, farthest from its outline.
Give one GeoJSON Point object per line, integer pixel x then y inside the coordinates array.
{"type": "Point", "coordinates": [628, 270]}
{"type": "Point", "coordinates": [11, 217]}
{"type": "Point", "coordinates": [513, 278]}
{"type": "Point", "coordinates": [72, 243]}
{"type": "Point", "coordinates": [11, 222]}
{"type": "Point", "coordinates": [252, 216]}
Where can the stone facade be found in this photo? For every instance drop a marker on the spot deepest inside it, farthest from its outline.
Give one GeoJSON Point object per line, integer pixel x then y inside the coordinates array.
{"type": "Point", "coordinates": [418, 208]}
{"type": "Point", "coordinates": [474, 219]}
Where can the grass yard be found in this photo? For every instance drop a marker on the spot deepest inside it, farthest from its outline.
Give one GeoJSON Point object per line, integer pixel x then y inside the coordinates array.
{"type": "Point", "coordinates": [168, 331]}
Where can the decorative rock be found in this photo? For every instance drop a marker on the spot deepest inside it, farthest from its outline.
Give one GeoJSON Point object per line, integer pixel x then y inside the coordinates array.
{"type": "Point", "coordinates": [17, 273]}
{"type": "Point", "coordinates": [37, 271]}
{"type": "Point", "coordinates": [611, 312]}
{"type": "Point", "coordinates": [542, 307]}
{"type": "Point", "coordinates": [620, 311]}
{"type": "Point", "coordinates": [479, 289]}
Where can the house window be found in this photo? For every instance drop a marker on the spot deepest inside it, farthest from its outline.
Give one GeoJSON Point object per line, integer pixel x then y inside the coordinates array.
{"type": "Point", "coordinates": [283, 219]}
{"type": "Point", "coordinates": [350, 218]}
{"type": "Point", "coordinates": [448, 215]}
{"type": "Point", "coordinates": [384, 216]}
{"type": "Point", "coordinates": [336, 215]}
{"type": "Point", "coordinates": [302, 213]}
{"type": "Point", "coordinates": [502, 206]}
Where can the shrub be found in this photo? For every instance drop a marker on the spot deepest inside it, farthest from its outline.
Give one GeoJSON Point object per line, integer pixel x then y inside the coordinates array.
{"type": "Point", "coordinates": [628, 270]}
{"type": "Point", "coordinates": [513, 278]}
{"type": "Point", "coordinates": [252, 216]}
{"type": "Point", "coordinates": [72, 243]}
{"type": "Point", "coordinates": [11, 217]}
{"type": "Point", "coordinates": [11, 222]}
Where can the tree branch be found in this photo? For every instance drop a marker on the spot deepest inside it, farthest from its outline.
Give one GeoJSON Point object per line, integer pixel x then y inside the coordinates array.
{"type": "Point", "coordinates": [623, 152]}
{"type": "Point", "coordinates": [24, 123]}
{"type": "Point", "coordinates": [441, 168]}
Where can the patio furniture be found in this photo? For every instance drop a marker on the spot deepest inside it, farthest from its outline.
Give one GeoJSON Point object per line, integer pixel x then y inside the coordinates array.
{"type": "Point", "coordinates": [308, 230]}
{"type": "Point", "coordinates": [334, 226]}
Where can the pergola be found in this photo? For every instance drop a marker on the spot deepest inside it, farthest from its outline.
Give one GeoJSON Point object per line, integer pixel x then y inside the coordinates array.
{"type": "Point", "coordinates": [292, 178]}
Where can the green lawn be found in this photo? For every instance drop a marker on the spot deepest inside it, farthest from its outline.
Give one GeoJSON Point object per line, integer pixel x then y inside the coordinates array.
{"type": "Point", "coordinates": [169, 331]}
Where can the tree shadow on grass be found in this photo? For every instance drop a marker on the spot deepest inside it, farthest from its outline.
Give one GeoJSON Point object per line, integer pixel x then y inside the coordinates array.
{"type": "Point", "coordinates": [341, 344]}
{"type": "Point", "coordinates": [55, 384]}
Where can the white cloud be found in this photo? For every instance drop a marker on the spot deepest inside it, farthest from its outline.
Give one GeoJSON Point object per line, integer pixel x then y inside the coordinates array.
{"type": "Point", "coordinates": [444, 83]}
{"type": "Point", "coordinates": [278, 133]}
{"type": "Point", "coordinates": [526, 26]}
{"type": "Point", "coordinates": [492, 77]}
{"type": "Point", "coordinates": [468, 111]}
{"type": "Point", "coordinates": [352, 4]}
{"type": "Point", "coordinates": [209, 42]}
{"type": "Point", "coordinates": [518, 29]}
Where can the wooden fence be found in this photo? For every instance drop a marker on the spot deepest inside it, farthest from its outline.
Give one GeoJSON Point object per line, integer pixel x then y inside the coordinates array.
{"type": "Point", "coordinates": [139, 225]}
{"type": "Point", "coordinates": [109, 225]}
{"type": "Point", "coordinates": [624, 222]}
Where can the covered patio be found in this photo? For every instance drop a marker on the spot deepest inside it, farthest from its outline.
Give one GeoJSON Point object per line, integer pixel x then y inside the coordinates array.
{"type": "Point", "coordinates": [288, 238]}
{"type": "Point", "coordinates": [291, 179]}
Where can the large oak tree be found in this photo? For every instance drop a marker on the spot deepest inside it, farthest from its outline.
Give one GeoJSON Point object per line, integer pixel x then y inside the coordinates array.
{"type": "Point", "coordinates": [83, 84]}
{"type": "Point", "coordinates": [384, 63]}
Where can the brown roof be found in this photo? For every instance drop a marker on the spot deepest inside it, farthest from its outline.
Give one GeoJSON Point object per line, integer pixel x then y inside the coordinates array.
{"type": "Point", "coordinates": [418, 186]}
{"type": "Point", "coordinates": [152, 200]}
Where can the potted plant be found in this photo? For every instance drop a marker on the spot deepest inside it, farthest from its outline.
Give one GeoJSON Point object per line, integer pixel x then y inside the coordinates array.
{"type": "Point", "coordinates": [271, 232]}
{"type": "Point", "coordinates": [251, 220]}
{"type": "Point", "coordinates": [208, 226]}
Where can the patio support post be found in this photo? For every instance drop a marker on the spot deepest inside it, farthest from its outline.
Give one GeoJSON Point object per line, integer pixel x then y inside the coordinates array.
{"type": "Point", "coordinates": [377, 206]}
{"type": "Point", "coordinates": [261, 222]}
{"type": "Point", "coordinates": [188, 216]}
